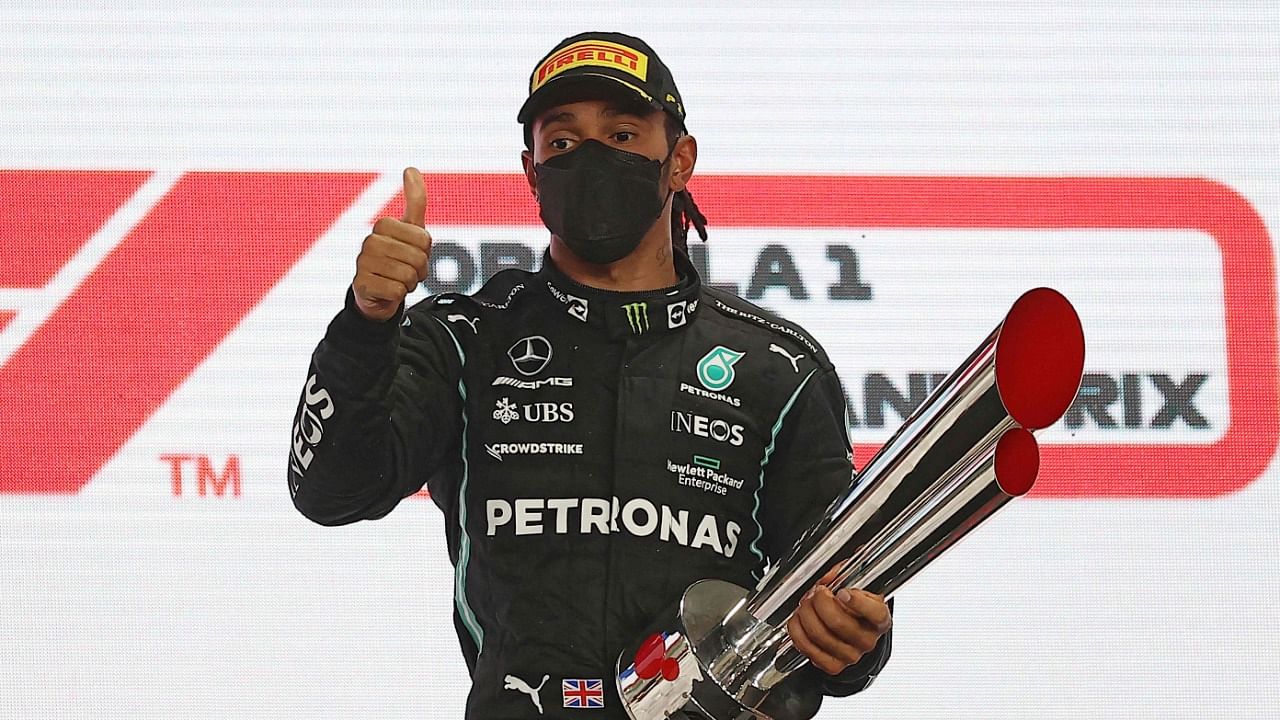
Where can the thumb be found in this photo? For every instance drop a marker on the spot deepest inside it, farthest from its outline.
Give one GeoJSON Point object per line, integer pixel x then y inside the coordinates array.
{"type": "Point", "coordinates": [415, 198]}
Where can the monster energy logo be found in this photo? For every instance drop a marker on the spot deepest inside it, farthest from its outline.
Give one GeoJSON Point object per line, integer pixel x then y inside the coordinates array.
{"type": "Point", "coordinates": [637, 316]}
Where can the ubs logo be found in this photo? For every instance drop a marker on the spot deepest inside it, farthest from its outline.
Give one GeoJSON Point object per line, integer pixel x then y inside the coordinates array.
{"type": "Point", "coordinates": [530, 355]}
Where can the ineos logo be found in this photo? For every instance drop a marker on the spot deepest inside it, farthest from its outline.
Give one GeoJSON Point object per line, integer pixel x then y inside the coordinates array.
{"type": "Point", "coordinates": [702, 426]}
{"type": "Point", "coordinates": [530, 355]}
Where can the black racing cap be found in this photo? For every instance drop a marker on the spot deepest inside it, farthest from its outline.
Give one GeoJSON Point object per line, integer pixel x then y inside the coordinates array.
{"type": "Point", "coordinates": [601, 57]}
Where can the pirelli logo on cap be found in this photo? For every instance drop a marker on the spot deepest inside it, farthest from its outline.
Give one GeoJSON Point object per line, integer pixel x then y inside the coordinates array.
{"type": "Point", "coordinates": [598, 53]}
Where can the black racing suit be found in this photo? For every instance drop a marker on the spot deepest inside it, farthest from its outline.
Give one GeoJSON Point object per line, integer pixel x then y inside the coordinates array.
{"type": "Point", "coordinates": [594, 453]}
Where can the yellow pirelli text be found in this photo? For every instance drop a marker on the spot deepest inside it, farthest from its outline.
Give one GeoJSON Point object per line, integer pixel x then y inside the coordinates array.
{"type": "Point", "coordinates": [598, 53]}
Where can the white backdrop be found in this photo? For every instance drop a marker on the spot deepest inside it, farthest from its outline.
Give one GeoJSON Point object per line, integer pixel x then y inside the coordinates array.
{"type": "Point", "coordinates": [155, 326]}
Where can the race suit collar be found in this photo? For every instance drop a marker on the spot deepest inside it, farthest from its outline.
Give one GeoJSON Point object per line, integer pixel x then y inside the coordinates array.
{"type": "Point", "coordinates": [627, 314]}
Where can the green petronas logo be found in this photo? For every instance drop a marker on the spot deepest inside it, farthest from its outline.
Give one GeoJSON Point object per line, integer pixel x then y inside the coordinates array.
{"type": "Point", "coordinates": [715, 369]}
{"type": "Point", "coordinates": [637, 316]}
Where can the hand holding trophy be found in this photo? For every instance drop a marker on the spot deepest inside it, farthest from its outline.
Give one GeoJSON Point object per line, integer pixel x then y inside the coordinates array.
{"type": "Point", "coordinates": [722, 652]}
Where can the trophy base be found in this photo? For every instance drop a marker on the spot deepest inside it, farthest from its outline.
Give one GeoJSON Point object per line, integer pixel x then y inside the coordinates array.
{"type": "Point", "coordinates": [687, 665]}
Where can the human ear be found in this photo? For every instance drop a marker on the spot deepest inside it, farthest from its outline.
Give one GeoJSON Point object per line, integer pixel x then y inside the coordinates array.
{"type": "Point", "coordinates": [526, 158]}
{"type": "Point", "coordinates": [683, 157]}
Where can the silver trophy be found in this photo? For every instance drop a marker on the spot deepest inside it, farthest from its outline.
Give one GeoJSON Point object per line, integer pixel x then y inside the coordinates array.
{"type": "Point", "coordinates": [722, 652]}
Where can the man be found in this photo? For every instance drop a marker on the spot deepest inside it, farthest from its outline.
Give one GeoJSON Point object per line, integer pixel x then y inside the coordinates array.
{"type": "Point", "coordinates": [599, 434]}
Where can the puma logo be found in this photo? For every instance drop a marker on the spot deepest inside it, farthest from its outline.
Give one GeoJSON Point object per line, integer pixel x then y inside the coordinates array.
{"type": "Point", "coordinates": [467, 320]}
{"type": "Point", "coordinates": [793, 358]}
{"type": "Point", "coordinates": [511, 682]}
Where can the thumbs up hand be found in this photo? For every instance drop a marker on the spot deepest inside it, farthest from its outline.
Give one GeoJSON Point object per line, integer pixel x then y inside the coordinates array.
{"type": "Point", "coordinates": [393, 258]}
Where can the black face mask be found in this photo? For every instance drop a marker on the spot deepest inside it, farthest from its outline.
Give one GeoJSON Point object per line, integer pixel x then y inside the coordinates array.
{"type": "Point", "coordinates": [600, 200]}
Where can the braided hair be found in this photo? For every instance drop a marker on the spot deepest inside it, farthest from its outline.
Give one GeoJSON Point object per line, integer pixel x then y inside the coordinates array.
{"type": "Point", "coordinates": [685, 213]}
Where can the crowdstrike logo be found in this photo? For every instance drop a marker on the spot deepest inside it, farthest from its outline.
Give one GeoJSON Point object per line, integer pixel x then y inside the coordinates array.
{"type": "Point", "coordinates": [498, 450]}
{"type": "Point", "coordinates": [530, 355]}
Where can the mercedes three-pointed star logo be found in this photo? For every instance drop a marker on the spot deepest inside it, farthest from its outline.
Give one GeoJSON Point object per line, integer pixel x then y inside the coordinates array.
{"type": "Point", "coordinates": [530, 355]}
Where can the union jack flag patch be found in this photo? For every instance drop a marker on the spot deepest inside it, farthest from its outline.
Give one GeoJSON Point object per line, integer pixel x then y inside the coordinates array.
{"type": "Point", "coordinates": [582, 693]}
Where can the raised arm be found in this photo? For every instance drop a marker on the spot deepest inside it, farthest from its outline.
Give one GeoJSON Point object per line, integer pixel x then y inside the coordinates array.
{"type": "Point", "coordinates": [380, 407]}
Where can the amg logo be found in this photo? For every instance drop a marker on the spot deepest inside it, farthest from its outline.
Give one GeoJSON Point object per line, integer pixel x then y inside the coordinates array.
{"type": "Point", "coordinates": [703, 426]}
{"type": "Point", "coordinates": [533, 384]}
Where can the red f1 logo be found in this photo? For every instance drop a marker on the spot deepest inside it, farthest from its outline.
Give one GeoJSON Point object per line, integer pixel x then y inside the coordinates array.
{"type": "Point", "coordinates": [129, 317]}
